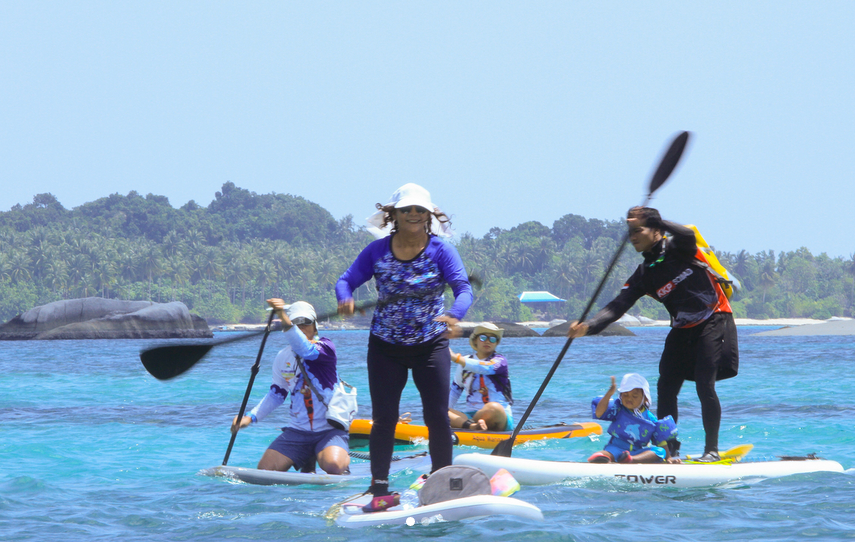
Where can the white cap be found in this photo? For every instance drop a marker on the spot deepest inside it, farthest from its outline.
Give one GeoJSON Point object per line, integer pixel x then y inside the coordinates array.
{"type": "Point", "coordinates": [632, 381]}
{"type": "Point", "coordinates": [301, 309]}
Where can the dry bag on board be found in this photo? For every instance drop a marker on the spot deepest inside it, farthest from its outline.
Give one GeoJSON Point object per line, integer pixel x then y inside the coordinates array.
{"type": "Point", "coordinates": [708, 260]}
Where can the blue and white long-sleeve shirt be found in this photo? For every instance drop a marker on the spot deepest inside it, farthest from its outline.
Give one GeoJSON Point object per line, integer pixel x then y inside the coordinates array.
{"type": "Point", "coordinates": [489, 375]}
{"type": "Point", "coordinates": [308, 412]}
{"type": "Point", "coordinates": [410, 293]}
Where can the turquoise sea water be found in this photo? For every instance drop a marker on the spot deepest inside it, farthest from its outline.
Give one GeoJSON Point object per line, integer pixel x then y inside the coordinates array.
{"type": "Point", "coordinates": [94, 448]}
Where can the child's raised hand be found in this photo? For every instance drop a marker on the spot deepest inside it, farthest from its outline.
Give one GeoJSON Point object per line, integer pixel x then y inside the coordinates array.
{"type": "Point", "coordinates": [613, 387]}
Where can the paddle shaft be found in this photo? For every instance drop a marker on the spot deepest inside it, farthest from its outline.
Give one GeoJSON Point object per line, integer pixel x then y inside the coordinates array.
{"type": "Point", "coordinates": [666, 166]}
{"type": "Point", "coordinates": [567, 344]}
{"type": "Point", "coordinates": [253, 371]}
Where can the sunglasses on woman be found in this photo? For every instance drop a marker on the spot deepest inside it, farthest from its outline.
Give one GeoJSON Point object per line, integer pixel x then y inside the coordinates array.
{"type": "Point", "coordinates": [410, 208]}
{"type": "Point", "coordinates": [485, 338]}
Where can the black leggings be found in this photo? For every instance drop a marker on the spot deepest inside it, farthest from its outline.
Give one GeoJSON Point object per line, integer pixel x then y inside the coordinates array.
{"type": "Point", "coordinates": [698, 354]}
{"type": "Point", "coordinates": [388, 368]}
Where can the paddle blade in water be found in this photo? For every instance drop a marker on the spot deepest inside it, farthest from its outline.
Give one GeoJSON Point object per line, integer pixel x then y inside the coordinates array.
{"type": "Point", "coordinates": [504, 448]}
{"type": "Point", "coordinates": [165, 362]}
{"type": "Point", "coordinates": [669, 161]}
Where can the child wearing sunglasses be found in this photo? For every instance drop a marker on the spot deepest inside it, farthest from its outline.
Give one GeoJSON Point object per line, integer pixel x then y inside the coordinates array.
{"type": "Point", "coordinates": [483, 376]}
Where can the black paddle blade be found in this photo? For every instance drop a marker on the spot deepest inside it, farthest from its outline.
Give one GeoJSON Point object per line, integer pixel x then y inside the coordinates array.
{"type": "Point", "coordinates": [669, 161]}
{"type": "Point", "coordinates": [165, 362]}
{"type": "Point", "coordinates": [503, 448]}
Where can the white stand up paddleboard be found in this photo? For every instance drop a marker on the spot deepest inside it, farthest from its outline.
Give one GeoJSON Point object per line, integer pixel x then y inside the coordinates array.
{"type": "Point", "coordinates": [454, 510]}
{"type": "Point", "coordinates": [358, 471]}
{"type": "Point", "coordinates": [536, 472]}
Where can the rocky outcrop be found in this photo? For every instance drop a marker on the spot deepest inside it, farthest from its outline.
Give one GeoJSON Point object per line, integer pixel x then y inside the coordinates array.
{"type": "Point", "coordinates": [99, 318]}
{"type": "Point", "coordinates": [510, 329]}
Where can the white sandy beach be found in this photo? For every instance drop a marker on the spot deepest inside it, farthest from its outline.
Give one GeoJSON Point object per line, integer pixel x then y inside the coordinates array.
{"type": "Point", "coordinates": [665, 323]}
{"type": "Point", "coordinates": [789, 327]}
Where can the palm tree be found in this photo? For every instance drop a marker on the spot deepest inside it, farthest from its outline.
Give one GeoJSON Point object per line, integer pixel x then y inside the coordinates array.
{"type": "Point", "coordinates": [172, 243]}
{"type": "Point", "coordinates": [78, 268]}
{"type": "Point", "coordinates": [151, 264]}
{"type": "Point", "coordinates": [4, 266]}
{"type": "Point", "coordinates": [18, 267]}
{"type": "Point", "coordinates": [57, 275]}
{"type": "Point", "coordinates": [850, 266]}
{"type": "Point", "coordinates": [741, 263]}
{"type": "Point", "coordinates": [179, 271]}
{"type": "Point", "coordinates": [265, 273]}
{"type": "Point", "coordinates": [104, 276]}
{"type": "Point", "coordinates": [592, 262]}
{"type": "Point", "coordinates": [565, 275]}
{"type": "Point", "coordinates": [39, 252]}
{"type": "Point", "coordinates": [768, 277]}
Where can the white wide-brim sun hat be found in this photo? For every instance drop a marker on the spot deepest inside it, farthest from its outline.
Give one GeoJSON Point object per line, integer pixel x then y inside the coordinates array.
{"type": "Point", "coordinates": [632, 381]}
{"type": "Point", "coordinates": [409, 194]}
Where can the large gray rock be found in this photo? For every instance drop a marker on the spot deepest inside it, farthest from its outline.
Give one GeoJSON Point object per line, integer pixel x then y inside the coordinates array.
{"type": "Point", "coordinates": [510, 330]}
{"type": "Point", "coordinates": [99, 318]}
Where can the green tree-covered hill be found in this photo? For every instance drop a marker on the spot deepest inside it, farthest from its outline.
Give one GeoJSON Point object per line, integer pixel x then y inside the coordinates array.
{"type": "Point", "coordinates": [224, 259]}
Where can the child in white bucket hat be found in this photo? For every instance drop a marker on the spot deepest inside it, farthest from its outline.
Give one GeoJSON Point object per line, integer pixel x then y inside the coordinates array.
{"type": "Point", "coordinates": [633, 426]}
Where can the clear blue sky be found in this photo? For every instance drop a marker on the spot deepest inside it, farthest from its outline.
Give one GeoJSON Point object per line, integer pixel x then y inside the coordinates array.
{"type": "Point", "coordinates": [505, 111]}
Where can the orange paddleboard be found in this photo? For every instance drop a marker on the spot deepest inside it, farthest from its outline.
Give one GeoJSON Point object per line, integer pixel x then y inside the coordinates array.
{"type": "Point", "coordinates": [407, 433]}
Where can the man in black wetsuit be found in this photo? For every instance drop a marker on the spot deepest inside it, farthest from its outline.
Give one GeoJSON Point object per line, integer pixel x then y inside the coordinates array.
{"type": "Point", "coordinates": [702, 344]}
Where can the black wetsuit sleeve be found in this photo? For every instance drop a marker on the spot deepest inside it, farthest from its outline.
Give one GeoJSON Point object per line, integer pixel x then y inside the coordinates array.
{"type": "Point", "coordinates": [631, 292]}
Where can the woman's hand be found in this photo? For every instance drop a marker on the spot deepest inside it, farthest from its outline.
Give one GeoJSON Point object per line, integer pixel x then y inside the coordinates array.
{"type": "Point", "coordinates": [451, 322]}
{"type": "Point", "coordinates": [244, 422]}
{"type": "Point", "coordinates": [279, 308]}
{"type": "Point", "coordinates": [345, 307]}
{"type": "Point", "coordinates": [577, 329]}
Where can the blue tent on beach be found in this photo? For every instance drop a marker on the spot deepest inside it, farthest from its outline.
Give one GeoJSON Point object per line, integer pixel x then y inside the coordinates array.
{"type": "Point", "coordinates": [539, 297]}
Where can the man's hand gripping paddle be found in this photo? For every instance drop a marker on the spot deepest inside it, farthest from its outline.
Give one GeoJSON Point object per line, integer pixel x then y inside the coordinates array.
{"type": "Point", "coordinates": [666, 166]}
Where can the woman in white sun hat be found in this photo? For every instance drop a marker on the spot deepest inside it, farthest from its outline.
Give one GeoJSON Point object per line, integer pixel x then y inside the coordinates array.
{"type": "Point", "coordinates": [411, 266]}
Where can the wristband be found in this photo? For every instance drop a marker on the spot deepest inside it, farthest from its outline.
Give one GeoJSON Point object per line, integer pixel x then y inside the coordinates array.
{"type": "Point", "coordinates": [253, 418]}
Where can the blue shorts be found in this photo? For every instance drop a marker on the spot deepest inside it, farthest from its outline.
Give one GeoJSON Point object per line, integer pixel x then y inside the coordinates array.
{"type": "Point", "coordinates": [617, 446]}
{"type": "Point", "coordinates": [301, 446]}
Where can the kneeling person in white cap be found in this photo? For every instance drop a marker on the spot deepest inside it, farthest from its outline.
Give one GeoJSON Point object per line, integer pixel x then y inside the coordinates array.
{"type": "Point", "coordinates": [308, 434]}
{"type": "Point", "coordinates": [483, 376]}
